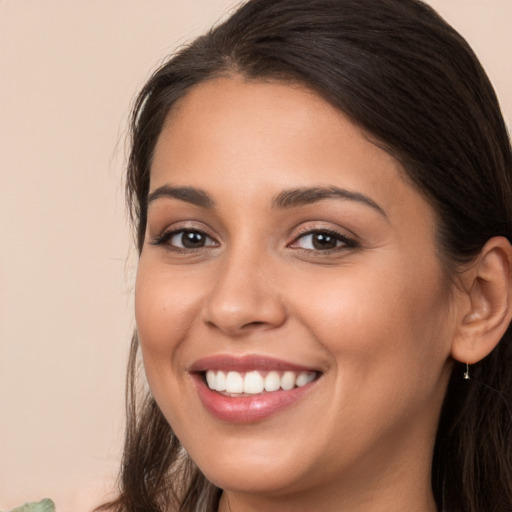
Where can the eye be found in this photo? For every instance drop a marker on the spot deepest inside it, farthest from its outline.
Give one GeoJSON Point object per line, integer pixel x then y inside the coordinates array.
{"type": "Point", "coordinates": [322, 240]}
{"type": "Point", "coordinates": [185, 239]}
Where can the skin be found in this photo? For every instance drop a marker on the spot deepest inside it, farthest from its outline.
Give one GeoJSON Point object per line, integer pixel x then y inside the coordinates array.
{"type": "Point", "coordinates": [376, 317]}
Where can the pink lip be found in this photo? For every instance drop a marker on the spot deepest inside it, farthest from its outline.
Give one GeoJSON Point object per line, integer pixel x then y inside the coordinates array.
{"type": "Point", "coordinates": [245, 409]}
{"type": "Point", "coordinates": [245, 364]}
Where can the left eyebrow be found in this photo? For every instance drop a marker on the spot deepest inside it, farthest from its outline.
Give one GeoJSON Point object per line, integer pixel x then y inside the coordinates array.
{"type": "Point", "coordinates": [308, 195]}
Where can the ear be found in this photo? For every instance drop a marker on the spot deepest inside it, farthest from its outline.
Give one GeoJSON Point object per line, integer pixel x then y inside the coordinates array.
{"type": "Point", "coordinates": [487, 311]}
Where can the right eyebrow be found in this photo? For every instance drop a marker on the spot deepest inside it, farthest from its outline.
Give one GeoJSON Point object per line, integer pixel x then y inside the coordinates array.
{"type": "Point", "coordinates": [191, 195]}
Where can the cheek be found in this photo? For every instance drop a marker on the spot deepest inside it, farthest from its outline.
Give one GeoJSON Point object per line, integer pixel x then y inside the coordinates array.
{"type": "Point", "coordinates": [388, 340]}
{"type": "Point", "coordinates": [166, 306]}
{"type": "Point", "coordinates": [381, 320]}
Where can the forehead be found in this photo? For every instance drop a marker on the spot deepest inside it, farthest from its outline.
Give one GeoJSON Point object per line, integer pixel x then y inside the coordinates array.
{"type": "Point", "coordinates": [261, 137]}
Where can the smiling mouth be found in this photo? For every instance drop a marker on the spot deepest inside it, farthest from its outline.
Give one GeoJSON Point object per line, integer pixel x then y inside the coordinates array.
{"type": "Point", "coordinates": [250, 388]}
{"type": "Point", "coordinates": [249, 383]}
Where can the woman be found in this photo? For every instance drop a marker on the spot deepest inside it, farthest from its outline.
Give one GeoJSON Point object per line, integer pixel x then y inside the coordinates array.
{"type": "Point", "coordinates": [321, 192]}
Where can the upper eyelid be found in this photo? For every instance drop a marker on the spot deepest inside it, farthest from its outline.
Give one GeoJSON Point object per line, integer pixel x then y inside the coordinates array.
{"type": "Point", "coordinates": [310, 227]}
{"type": "Point", "coordinates": [185, 225]}
{"type": "Point", "coordinates": [329, 231]}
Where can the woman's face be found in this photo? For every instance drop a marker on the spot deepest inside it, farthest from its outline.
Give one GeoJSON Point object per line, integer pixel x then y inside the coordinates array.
{"type": "Point", "coordinates": [284, 251]}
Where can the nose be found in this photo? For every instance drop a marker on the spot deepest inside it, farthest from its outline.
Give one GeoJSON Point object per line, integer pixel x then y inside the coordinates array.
{"type": "Point", "coordinates": [244, 297]}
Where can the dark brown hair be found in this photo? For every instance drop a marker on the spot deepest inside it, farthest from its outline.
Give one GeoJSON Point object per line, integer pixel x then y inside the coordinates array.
{"type": "Point", "coordinates": [413, 84]}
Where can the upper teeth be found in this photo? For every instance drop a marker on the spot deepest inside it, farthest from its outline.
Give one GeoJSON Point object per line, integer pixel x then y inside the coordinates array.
{"type": "Point", "coordinates": [255, 382]}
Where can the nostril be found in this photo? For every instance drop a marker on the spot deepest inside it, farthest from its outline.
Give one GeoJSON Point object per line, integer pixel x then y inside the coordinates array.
{"type": "Point", "coordinates": [254, 324]}
{"type": "Point", "coordinates": [245, 326]}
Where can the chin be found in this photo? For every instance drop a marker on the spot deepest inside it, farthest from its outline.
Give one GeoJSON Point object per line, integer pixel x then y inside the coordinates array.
{"type": "Point", "coordinates": [262, 477]}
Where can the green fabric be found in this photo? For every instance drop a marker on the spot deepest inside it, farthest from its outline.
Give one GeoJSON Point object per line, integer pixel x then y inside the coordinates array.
{"type": "Point", "coordinates": [45, 505]}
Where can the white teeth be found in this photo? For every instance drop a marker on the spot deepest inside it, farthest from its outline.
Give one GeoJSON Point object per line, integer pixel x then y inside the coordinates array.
{"type": "Point", "coordinates": [272, 381]}
{"type": "Point", "coordinates": [220, 381]}
{"type": "Point", "coordinates": [210, 379]}
{"type": "Point", "coordinates": [234, 383]}
{"type": "Point", "coordinates": [254, 383]}
{"type": "Point", "coordinates": [304, 378]}
{"type": "Point", "coordinates": [288, 381]}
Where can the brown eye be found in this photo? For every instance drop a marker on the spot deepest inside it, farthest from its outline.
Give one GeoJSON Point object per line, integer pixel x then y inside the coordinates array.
{"type": "Point", "coordinates": [190, 239]}
{"type": "Point", "coordinates": [322, 241]}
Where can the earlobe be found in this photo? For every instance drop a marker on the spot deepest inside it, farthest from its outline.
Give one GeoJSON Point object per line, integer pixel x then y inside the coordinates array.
{"type": "Point", "coordinates": [488, 312]}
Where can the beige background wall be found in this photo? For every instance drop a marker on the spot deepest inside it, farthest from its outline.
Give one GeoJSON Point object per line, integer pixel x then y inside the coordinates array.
{"type": "Point", "coordinates": [68, 72]}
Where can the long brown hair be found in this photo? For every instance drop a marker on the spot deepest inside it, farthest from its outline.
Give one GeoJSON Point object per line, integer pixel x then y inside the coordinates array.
{"type": "Point", "coordinates": [406, 77]}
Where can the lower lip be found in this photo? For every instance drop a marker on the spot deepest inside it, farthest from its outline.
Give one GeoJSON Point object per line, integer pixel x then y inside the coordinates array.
{"type": "Point", "coordinates": [247, 409]}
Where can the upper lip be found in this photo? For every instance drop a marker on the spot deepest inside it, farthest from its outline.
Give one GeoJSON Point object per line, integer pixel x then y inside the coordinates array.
{"type": "Point", "coordinates": [245, 363]}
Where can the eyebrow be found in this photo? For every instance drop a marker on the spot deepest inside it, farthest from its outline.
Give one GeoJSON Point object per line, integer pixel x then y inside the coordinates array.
{"type": "Point", "coordinates": [308, 195]}
{"type": "Point", "coordinates": [286, 199]}
{"type": "Point", "coordinates": [191, 195]}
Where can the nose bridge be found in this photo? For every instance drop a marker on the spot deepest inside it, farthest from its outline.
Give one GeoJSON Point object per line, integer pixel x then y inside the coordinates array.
{"type": "Point", "coordinates": [243, 296]}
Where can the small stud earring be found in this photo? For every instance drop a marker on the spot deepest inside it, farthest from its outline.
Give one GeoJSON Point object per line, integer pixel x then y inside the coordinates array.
{"type": "Point", "coordinates": [466, 373]}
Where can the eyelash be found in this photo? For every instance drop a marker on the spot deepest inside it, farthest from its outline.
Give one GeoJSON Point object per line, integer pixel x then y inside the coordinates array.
{"type": "Point", "coordinates": [342, 241]}
{"type": "Point", "coordinates": [167, 236]}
